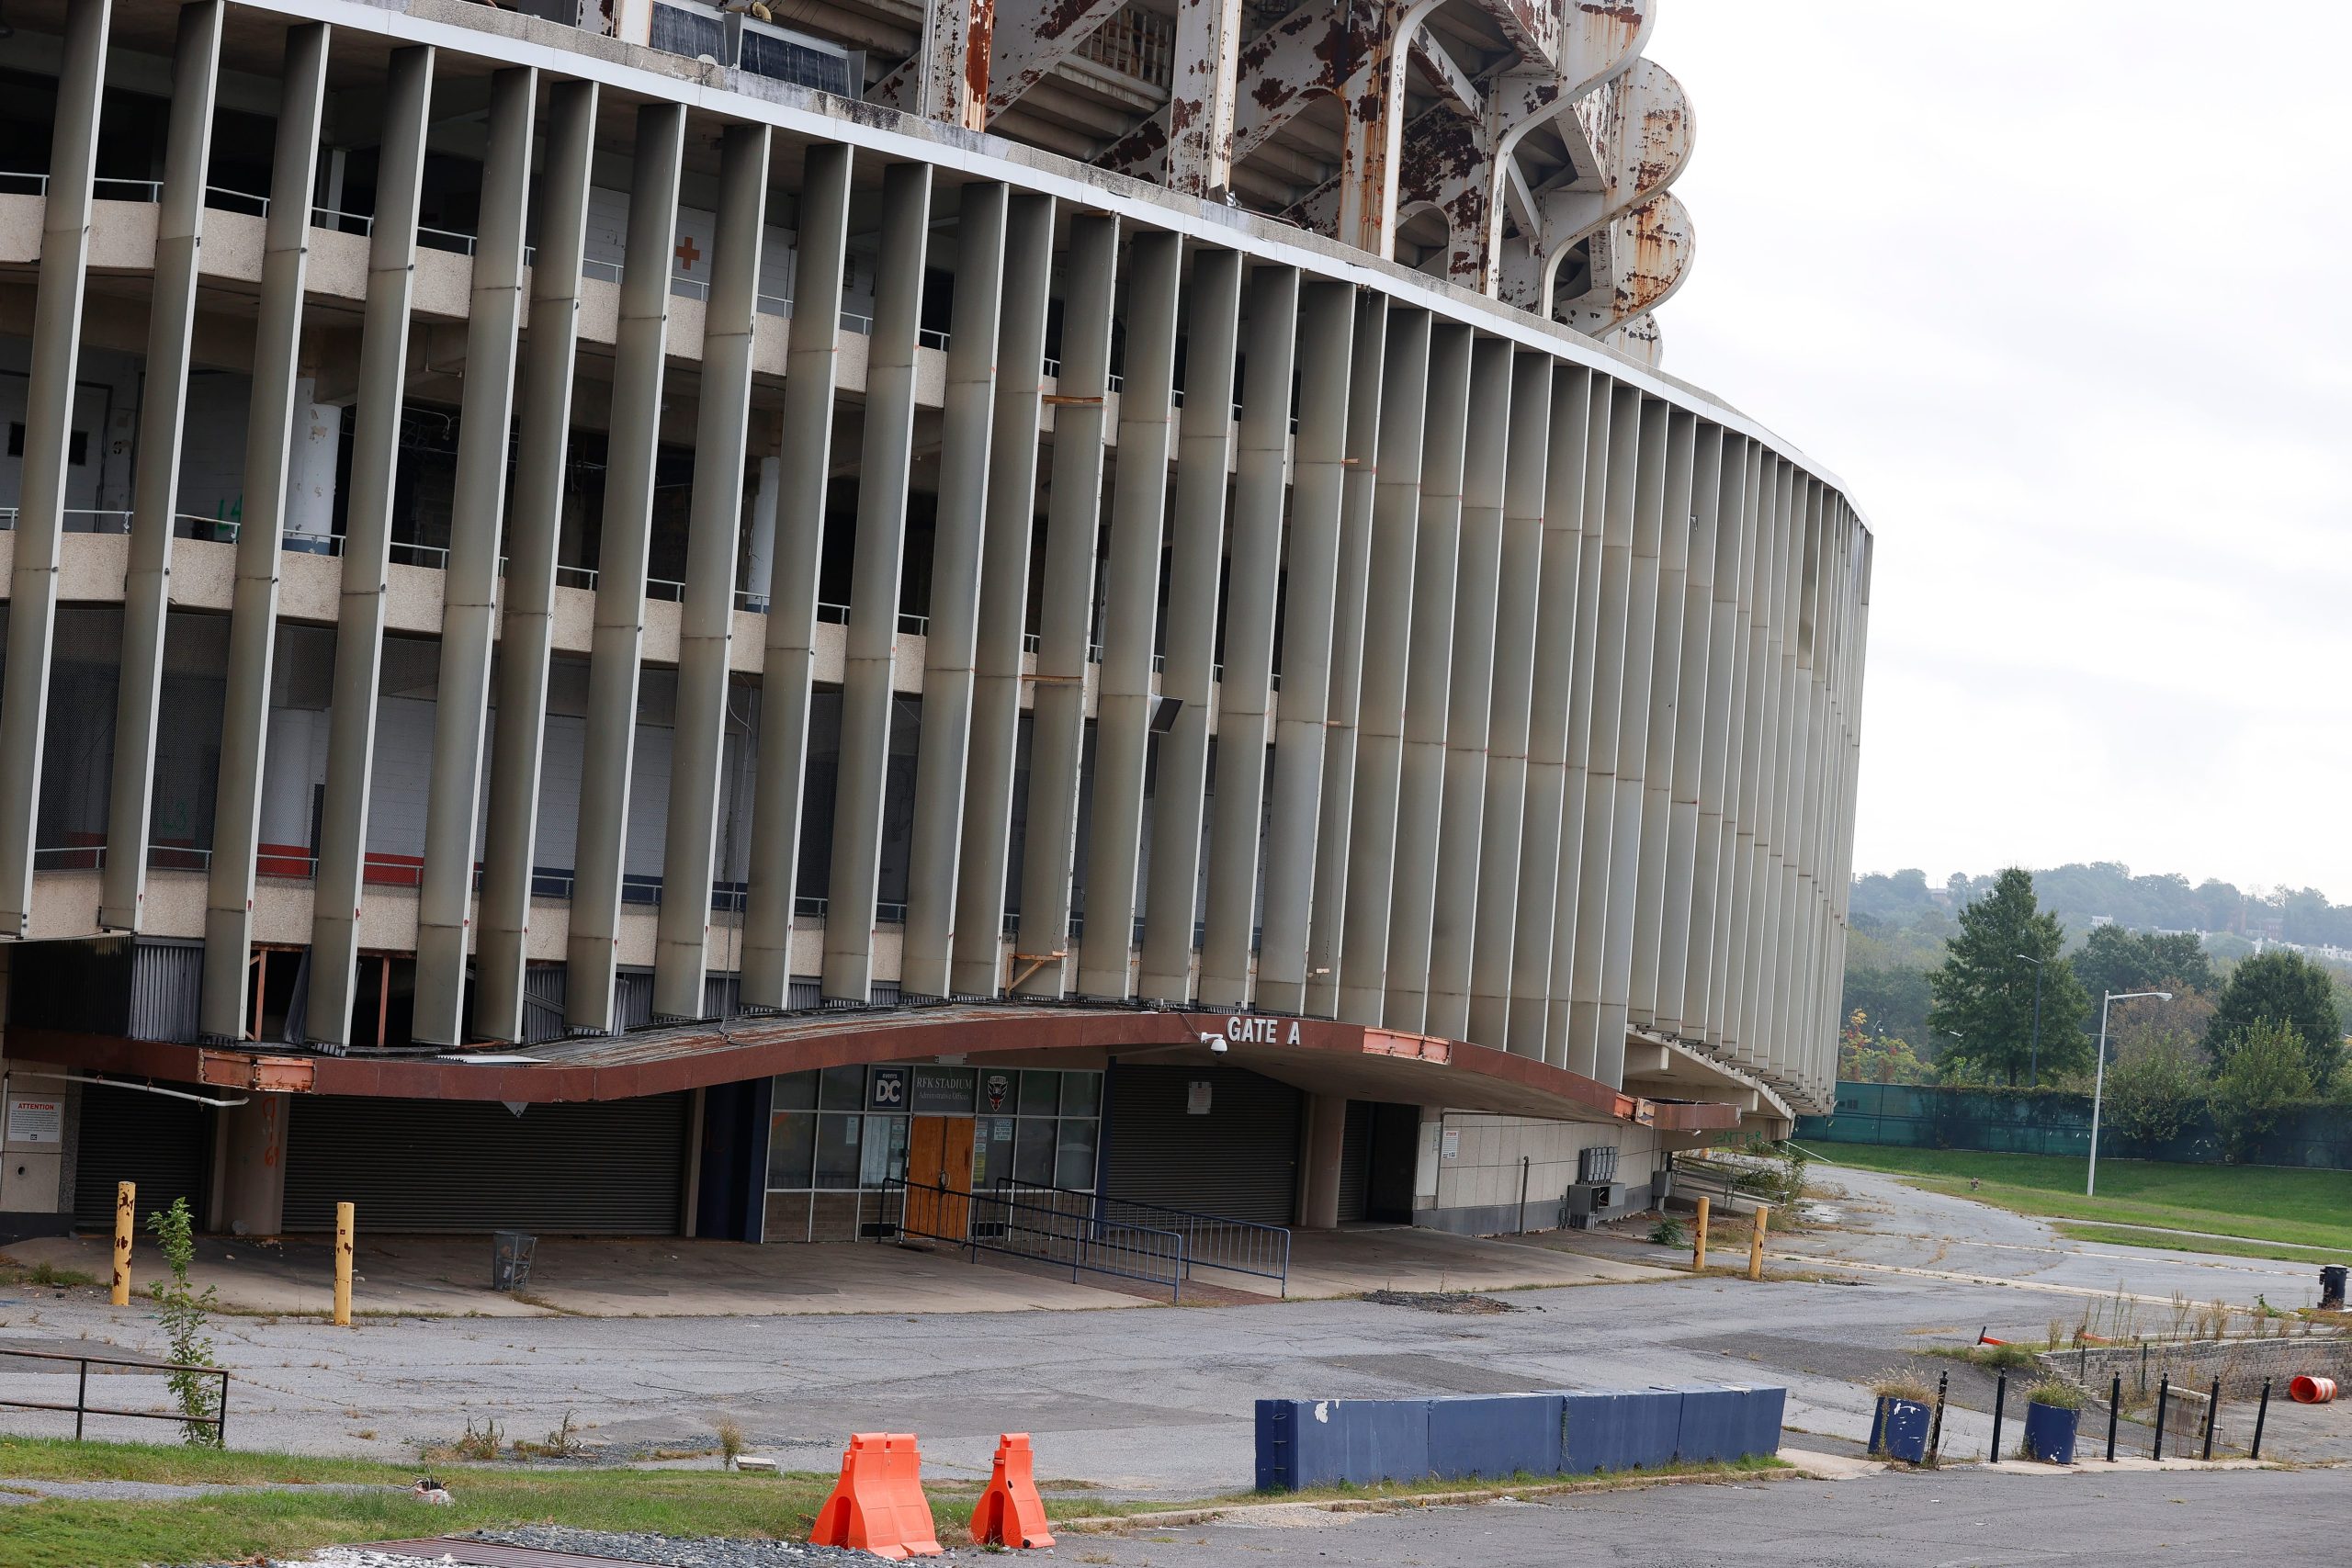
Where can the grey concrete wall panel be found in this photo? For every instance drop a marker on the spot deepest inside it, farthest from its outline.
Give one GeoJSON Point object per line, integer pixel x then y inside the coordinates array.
{"type": "Point", "coordinates": [526, 593]}
{"type": "Point", "coordinates": [1405, 399]}
{"type": "Point", "coordinates": [1010, 522]}
{"type": "Point", "coordinates": [624, 543]}
{"type": "Point", "coordinates": [952, 639]}
{"type": "Point", "coordinates": [707, 617]}
{"type": "Point", "coordinates": [1245, 692]}
{"type": "Point", "coordinates": [1196, 559]}
{"type": "Point", "coordinates": [1677, 896]}
{"type": "Point", "coordinates": [1677, 521]}
{"type": "Point", "coordinates": [1327, 313]}
{"type": "Point", "coordinates": [367, 550]}
{"type": "Point", "coordinates": [146, 589]}
{"type": "Point", "coordinates": [1739, 764]}
{"type": "Point", "coordinates": [1327, 927]}
{"type": "Point", "coordinates": [1511, 701]}
{"type": "Point", "coordinates": [1066, 611]}
{"type": "Point", "coordinates": [1130, 609]}
{"type": "Point", "coordinates": [1701, 972]}
{"type": "Point", "coordinates": [788, 671]}
{"type": "Point", "coordinates": [252, 615]}
{"type": "Point", "coordinates": [867, 688]}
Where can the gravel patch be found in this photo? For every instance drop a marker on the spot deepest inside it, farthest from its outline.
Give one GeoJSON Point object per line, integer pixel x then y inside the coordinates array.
{"type": "Point", "coordinates": [1451, 1303]}
{"type": "Point", "coordinates": [669, 1550]}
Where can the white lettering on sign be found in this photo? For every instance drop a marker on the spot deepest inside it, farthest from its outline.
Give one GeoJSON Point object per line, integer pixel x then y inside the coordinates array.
{"type": "Point", "coordinates": [36, 1121]}
{"type": "Point", "coordinates": [1245, 1031]}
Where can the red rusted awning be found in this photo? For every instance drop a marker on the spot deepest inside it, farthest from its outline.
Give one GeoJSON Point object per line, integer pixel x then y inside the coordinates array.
{"type": "Point", "coordinates": [1314, 1055]}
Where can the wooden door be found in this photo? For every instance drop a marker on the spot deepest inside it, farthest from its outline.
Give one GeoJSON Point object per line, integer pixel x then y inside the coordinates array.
{"type": "Point", "coordinates": [939, 1172]}
{"type": "Point", "coordinates": [955, 1175]}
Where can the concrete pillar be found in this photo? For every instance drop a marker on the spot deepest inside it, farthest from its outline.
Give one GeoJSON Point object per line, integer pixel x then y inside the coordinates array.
{"type": "Point", "coordinates": [707, 619]}
{"type": "Point", "coordinates": [758, 540]}
{"type": "Point", "coordinates": [1547, 831]}
{"type": "Point", "coordinates": [49, 422]}
{"type": "Point", "coordinates": [1386, 658]}
{"type": "Point", "coordinates": [527, 596]}
{"type": "Point", "coordinates": [1200, 97]}
{"type": "Point", "coordinates": [1677, 523]}
{"type": "Point", "coordinates": [1725, 522]}
{"type": "Point", "coordinates": [1246, 692]}
{"type": "Point", "coordinates": [310, 464]}
{"type": "Point", "coordinates": [1422, 755]}
{"type": "Point", "coordinates": [367, 550]}
{"type": "Point", "coordinates": [788, 675]}
{"type": "Point", "coordinates": [1326, 1136]}
{"type": "Point", "coordinates": [866, 689]}
{"type": "Point", "coordinates": [625, 537]}
{"type": "Point", "coordinates": [1510, 701]}
{"type": "Point", "coordinates": [252, 1188]}
{"type": "Point", "coordinates": [967, 424]}
{"type": "Point", "coordinates": [1130, 611]}
{"type": "Point", "coordinates": [252, 617]}
{"type": "Point", "coordinates": [1632, 742]}
{"type": "Point", "coordinates": [1327, 927]}
{"type": "Point", "coordinates": [1454, 926]}
{"type": "Point", "coordinates": [1066, 606]}
{"type": "Point", "coordinates": [1010, 522]}
{"type": "Point", "coordinates": [1204, 454]}
{"type": "Point", "coordinates": [1760, 877]}
{"type": "Point", "coordinates": [1612, 638]}
{"type": "Point", "coordinates": [146, 589]}
{"type": "Point", "coordinates": [1326, 336]}
{"type": "Point", "coordinates": [470, 579]}
{"type": "Point", "coordinates": [1739, 762]}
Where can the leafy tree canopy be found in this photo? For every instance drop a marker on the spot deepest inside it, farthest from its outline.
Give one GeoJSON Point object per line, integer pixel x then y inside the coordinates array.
{"type": "Point", "coordinates": [2286, 990]}
{"type": "Point", "coordinates": [2114, 959]}
{"type": "Point", "coordinates": [2263, 1073]}
{"type": "Point", "coordinates": [1984, 991]}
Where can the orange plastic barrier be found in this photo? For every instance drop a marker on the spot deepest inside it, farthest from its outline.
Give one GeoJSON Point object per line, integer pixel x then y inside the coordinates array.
{"type": "Point", "coordinates": [878, 1506]}
{"type": "Point", "coordinates": [2311, 1391]}
{"type": "Point", "coordinates": [1010, 1512]}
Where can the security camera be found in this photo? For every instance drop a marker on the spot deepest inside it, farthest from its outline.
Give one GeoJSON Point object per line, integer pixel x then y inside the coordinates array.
{"type": "Point", "coordinates": [1217, 1043]}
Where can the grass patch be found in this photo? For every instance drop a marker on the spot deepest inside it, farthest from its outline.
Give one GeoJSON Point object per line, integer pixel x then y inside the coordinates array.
{"type": "Point", "coordinates": [2307, 1209]}
{"type": "Point", "coordinates": [1996, 1356]}
{"type": "Point", "coordinates": [233, 1526]}
{"type": "Point", "coordinates": [2127, 1236]}
{"type": "Point", "coordinates": [42, 1276]}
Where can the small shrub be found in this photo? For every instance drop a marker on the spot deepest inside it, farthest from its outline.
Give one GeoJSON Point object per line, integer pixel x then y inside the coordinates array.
{"type": "Point", "coordinates": [730, 1440]}
{"type": "Point", "coordinates": [1668, 1233]}
{"type": "Point", "coordinates": [479, 1447]}
{"type": "Point", "coordinates": [2055, 1393]}
{"type": "Point", "coordinates": [1896, 1384]}
{"type": "Point", "coordinates": [185, 1314]}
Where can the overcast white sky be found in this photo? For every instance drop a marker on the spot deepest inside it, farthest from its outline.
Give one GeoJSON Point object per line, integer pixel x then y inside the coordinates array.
{"type": "Point", "coordinates": [2063, 293]}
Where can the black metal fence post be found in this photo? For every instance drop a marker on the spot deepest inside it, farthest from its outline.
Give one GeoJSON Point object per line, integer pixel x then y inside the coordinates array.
{"type": "Point", "coordinates": [82, 1398]}
{"type": "Point", "coordinates": [2114, 1412]}
{"type": "Point", "coordinates": [2212, 1415]}
{"type": "Point", "coordinates": [2000, 1400]}
{"type": "Point", "coordinates": [2261, 1413]}
{"type": "Point", "coordinates": [2164, 1398]}
{"type": "Point", "coordinates": [1936, 1427]}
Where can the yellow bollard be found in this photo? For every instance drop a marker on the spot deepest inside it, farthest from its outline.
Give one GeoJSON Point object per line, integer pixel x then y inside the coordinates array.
{"type": "Point", "coordinates": [343, 1212]}
{"type": "Point", "coordinates": [1756, 1242]}
{"type": "Point", "coordinates": [125, 1224]}
{"type": "Point", "coordinates": [1699, 1241]}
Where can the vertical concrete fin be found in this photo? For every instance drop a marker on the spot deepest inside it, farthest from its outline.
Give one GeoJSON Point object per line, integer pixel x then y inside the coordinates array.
{"type": "Point", "coordinates": [367, 549]}
{"type": "Point", "coordinates": [1676, 523]}
{"type": "Point", "coordinates": [252, 615]}
{"type": "Point", "coordinates": [146, 592]}
{"type": "Point", "coordinates": [1245, 692]}
{"type": "Point", "coordinates": [1130, 613]}
{"type": "Point", "coordinates": [1326, 314]}
{"type": "Point", "coordinates": [706, 618]}
{"type": "Point", "coordinates": [1719, 743]}
{"type": "Point", "coordinates": [624, 538]}
{"type": "Point", "coordinates": [811, 368]}
{"type": "Point", "coordinates": [527, 596]}
{"type": "Point", "coordinates": [1066, 604]}
{"type": "Point", "coordinates": [1196, 561]}
{"type": "Point", "coordinates": [951, 643]}
{"type": "Point", "coordinates": [1009, 524]}
{"type": "Point", "coordinates": [1679, 912]}
{"type": "Point", "coordinates": [866, 695]}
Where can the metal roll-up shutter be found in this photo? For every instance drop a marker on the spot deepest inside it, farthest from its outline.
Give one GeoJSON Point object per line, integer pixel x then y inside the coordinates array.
{"type": "Point", "coordinates": [1240, 1159]}
{"type": "Point", "coordinates": [606, 1168]}
{"type": "Point", "coordinates": [1355, 1160]}
{"type": "Point", "coordinates": [163, 1145]}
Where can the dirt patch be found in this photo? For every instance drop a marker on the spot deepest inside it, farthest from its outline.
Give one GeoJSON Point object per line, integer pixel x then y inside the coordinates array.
{"type": "Point", "coordinates": [1453, 1304]}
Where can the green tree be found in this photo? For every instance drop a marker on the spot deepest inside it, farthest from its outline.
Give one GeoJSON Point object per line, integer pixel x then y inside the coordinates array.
{"type": "Point", "coordinates": [1984, 990]}
{"type": "Point", "coordinates": [2283, 987]}
{"type": "Point", "coordinates": [2114, 959]}
{"type": "Point", "coordinates": [2264, 1071]}
{"type": "Point", "coordinates": [2152, 1092]}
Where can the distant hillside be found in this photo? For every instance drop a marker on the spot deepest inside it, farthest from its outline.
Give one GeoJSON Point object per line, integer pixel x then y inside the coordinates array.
{"type": "Point", "coordinates": [2083, 895]}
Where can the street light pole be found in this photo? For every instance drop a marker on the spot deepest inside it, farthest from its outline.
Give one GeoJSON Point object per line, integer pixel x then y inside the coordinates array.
{"type": "Point", "coordinates": [2098, 1089]}
{"type": "Point", "coordinates": [2034, 1078]}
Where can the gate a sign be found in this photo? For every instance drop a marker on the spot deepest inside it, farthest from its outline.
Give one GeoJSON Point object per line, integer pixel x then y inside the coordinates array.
{"type": "Point", "coordinates": [1244, 1030]}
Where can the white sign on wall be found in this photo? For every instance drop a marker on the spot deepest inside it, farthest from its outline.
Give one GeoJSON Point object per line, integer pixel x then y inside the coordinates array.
{"type": "Point", "coordinates": [1197, 1098]}
{"type": "Point", "coordinates": [1453, 1144]}
{"type": "Point", "coordinates": [36, 1121]}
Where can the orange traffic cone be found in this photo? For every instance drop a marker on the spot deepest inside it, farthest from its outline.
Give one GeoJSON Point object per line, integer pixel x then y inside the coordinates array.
{"type": "Point", "coordinates": [878, 1506]}
{"type": "Point", "coordinates": [1010, 1512]}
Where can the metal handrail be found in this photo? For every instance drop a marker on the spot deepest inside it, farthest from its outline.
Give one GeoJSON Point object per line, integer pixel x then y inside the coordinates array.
{"type": "Point", "coordinates": [1211, 1241]}
{"type": "Point", "coordinates": [987, 1222]}
{"type": "Point", "coordinates": [82, 1407]}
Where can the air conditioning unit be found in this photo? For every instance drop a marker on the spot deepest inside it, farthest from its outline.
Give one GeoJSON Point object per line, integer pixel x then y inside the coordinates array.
{"type": "Point", "coordinates": [1585, 1201]}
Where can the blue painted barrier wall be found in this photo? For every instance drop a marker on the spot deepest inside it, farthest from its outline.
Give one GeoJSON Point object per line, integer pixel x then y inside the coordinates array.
{"type": "Point", "coordinates": [1323, 1442]}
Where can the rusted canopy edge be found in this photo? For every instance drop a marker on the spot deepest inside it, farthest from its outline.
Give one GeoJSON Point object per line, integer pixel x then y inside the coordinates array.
{"type": "Point", "coordinates": [1410, 1068]}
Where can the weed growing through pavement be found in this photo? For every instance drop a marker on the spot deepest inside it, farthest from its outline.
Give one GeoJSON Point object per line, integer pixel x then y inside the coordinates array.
{"type": "Point", "coordinates": [185, 1313]}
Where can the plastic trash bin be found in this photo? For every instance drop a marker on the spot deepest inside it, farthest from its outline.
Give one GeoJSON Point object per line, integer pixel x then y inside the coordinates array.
{"type": "Point", "coordinates": [510, 1259]}
{"type": "Point", "coordinates": [2331, 1287]}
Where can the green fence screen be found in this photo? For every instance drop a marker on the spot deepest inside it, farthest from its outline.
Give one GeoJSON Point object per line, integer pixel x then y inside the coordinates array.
{"type": "Point", "coordinates": [2047, 1123]}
